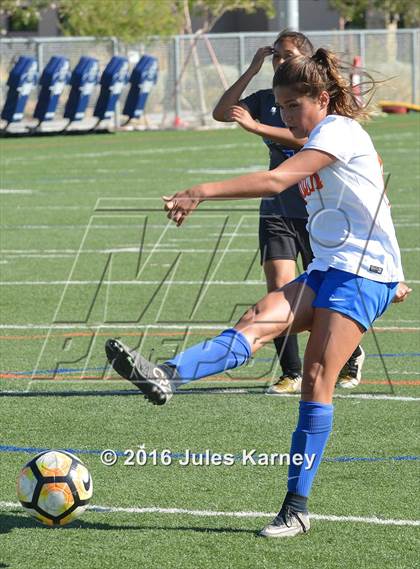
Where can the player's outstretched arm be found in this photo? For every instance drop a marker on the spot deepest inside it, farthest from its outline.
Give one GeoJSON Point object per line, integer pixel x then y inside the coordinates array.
{"type": "Point", "coordinates": [281, 135]}
{"type": "Point", "coordinates": [255, 185]}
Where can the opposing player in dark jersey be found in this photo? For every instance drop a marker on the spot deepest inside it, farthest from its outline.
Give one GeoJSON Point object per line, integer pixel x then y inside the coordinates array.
{"type": "Point", "coordinates": [283, 218]}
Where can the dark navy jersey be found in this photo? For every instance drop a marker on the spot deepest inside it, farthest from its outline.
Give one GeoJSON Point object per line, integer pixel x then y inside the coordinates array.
{"type": "Point", "coordinates": [289, 203]}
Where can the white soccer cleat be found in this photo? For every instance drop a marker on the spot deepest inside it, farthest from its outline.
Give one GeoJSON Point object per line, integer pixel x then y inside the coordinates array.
{"type": "Point", "coordinates": [287, 523]}
{"type": "Point", "coordinates": [351, 374]}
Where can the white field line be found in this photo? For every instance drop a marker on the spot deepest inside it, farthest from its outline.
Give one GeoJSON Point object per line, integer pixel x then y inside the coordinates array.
{"type": "Point", "coordinates": [161, 327]}
{"type": "Point", "coordinates": [91, 208]}
{"type": "Point", "coordinates": [404, 206]}
{"type": "Point", "coordinates": [64, 227]}
{"type": "Point", "coordinates": [404, 372]}
{"type": "Point", "coordinates": [358, 396]}
{"type": "Point", "coordinates": [140, 152]}
{"type": "Point", "coordinates": [133, 249]}
{"type": "Point", "coordinates": [144, 283]}
{"type": "Point", "coordinates": [217, 514]}
{"type": "Point", "coordinates": [53, 207]}
{"type": "Point", "coordinates": [11, 191]}
{"type": "Point", "coordinates": [133, 282]}
{"type": "Point", "coordinates": [76, 226]}
{"type": "Point", "coordinates": [143, 250]}
{"type": "Point", "coordinates": [391, 137]}
{"type": "Point", "coordinates": [107, 251]}
{"type": "Point", "coordinates": [215, 391]}
{"type": "Point", "coordinates": [217, 171]}
{"type": "Point", "coordinates": [160, 226]}
{"type": "Point", "coordinates": [102, 202]}
{"type": "Point", "coordinates": [68, 253]}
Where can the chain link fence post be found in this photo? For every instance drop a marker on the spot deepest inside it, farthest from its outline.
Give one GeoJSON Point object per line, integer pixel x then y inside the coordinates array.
{"type": "Point", "coordinates": [40, 58]}
{"type": "Point", "coordinates": [177, 79]}
{"type": "Point", "coordinates": [241, 54]}
{"type": "Point", "coordinates": [362, 48]}
{"type": "Point", "coordinates": [415, 65]}
{"type": "Point", "coordinates": [117, 113]}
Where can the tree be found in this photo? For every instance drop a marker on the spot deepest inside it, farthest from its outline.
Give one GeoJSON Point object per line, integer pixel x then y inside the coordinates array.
{"type": "Point", "coordinates": [351, 11]}
{"type": "Point", "coordinates": [24, 15]}
{"type": "Point", "coordinates": [213, 10]}
{"type": "Point", "coordinates": [393, 10]}
{"type": "Point", "coordinates": [129, 20]}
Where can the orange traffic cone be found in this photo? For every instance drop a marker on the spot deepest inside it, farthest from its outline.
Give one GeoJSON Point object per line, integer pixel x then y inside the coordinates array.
{"type": "Point", "coordinates": [178, 122]}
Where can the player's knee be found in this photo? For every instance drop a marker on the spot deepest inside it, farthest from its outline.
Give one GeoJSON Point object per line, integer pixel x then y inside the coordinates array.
{"type": "Point", "coordinates": [250, 315]}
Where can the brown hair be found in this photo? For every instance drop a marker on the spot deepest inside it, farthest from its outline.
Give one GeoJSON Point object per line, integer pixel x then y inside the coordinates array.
{"type": "Point", "coordinates": [323, 72]}
{"type": "Point", "coordinates": [299, 40]}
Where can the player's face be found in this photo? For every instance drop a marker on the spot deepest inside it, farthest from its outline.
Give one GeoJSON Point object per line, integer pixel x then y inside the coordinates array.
{"type": "Point", "coordinates": [299, 112]}
{"type": "Point", "coordinates": [283, 50]}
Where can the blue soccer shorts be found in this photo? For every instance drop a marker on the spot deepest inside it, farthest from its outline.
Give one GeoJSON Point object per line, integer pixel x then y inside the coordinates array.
{"type": "Point", "coordinates": [361, 299]}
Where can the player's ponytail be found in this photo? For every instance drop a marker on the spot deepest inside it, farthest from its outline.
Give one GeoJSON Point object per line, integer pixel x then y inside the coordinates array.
{"type": "Point", "coordinates": [324, 72]}
{"type": "Point", "coordinates": [343, 100]}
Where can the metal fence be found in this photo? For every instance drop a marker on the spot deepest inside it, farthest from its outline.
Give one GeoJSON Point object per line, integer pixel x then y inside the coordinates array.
{"type": "Point", "coordinates": [194, 72]}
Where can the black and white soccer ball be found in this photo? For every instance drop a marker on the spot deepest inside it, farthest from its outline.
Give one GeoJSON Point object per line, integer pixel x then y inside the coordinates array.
{"type": "Point", "coordinates": [54, 487]}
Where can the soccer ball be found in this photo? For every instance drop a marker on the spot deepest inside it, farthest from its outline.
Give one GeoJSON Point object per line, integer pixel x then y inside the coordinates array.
{"type": "Point", "coordinates": [54, 487]}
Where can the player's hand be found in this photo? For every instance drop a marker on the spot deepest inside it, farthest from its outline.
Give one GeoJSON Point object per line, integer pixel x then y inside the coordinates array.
{"type": "Point", "coordinates": [243, 118]}
{"type": "Point", "coordinates": [259, 57]}
{"type": "Point", "coordinates": [180, 205]}
{"type": "Point", "coordinates": [402, 292]}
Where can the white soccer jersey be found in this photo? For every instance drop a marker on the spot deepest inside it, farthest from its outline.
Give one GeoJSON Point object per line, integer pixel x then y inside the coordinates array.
{"type": "Point", "coordinates": [350, 223]}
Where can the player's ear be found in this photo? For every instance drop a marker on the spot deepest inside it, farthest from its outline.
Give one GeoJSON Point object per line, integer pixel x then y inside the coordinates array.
{"type": "Point", "coordinates": [324, 99]}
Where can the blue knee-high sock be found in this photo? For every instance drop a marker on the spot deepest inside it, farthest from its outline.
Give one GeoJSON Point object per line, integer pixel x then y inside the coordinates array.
{"type": "Point", "coordinates": [228, 350]}
{"type": "Point", "coordinates": [310, 438]}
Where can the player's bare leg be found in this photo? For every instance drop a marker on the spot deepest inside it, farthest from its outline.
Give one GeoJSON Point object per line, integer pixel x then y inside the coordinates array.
{"type": "Point", "coordinates": [289, 307]}
{"type": "Point", "coordinates": [270, 317]}
{"type": "Point", "coordinates": [333, 339]}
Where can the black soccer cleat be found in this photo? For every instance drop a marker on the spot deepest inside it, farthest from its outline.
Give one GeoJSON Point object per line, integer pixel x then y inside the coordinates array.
{"type": "Point", "coordinates": [156, 382]}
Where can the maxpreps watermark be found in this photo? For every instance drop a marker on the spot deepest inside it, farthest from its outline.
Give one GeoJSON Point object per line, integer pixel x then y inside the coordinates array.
{"type": "Point", "coordinates": [143, 457]}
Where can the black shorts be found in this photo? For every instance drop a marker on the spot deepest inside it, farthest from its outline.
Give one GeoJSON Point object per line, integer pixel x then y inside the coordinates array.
{"type": "Point", "coordinates": [284, 238]}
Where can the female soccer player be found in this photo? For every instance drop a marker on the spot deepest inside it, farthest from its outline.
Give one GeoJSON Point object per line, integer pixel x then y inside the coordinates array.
{"type": "Point", "coordinates": [353, 278]}
{"type": "Point", "coordinates": [283, 218]}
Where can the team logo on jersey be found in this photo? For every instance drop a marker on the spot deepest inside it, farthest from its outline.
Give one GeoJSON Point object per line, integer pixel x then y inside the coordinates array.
{"type": "Point", "coordinates": [308, 185]}
{"type": "Point", "coordinates": [377, 270]}
{"type": "Point", "coordinates": [273, 110]}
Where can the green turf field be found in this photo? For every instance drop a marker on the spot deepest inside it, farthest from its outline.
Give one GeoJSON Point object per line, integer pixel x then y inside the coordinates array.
{"type": "Point", "coordinates": [76, 211]}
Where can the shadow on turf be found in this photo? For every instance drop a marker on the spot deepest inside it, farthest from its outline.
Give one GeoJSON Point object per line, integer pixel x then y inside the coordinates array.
{"type": "Point", "coordinates": [19, 520]}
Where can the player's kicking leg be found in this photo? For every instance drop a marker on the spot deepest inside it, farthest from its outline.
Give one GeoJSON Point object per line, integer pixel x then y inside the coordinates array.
{"type": "Point", "coordinates": [290, 306]}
